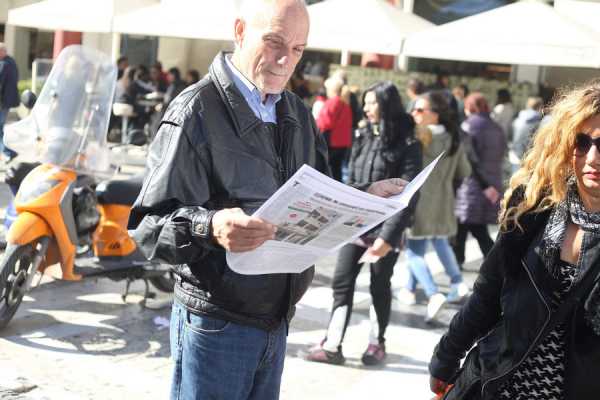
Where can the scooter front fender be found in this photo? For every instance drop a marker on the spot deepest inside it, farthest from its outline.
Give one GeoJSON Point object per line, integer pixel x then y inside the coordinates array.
{"type": "Point", "coordinates": [27, 228]}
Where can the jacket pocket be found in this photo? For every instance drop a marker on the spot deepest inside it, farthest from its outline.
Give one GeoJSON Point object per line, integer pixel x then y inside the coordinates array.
{"type": "Point", "coordinates": [467, 384]}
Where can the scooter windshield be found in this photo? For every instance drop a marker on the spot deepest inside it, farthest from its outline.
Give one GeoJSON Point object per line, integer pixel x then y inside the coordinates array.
{"type": "Point", "coordinates": [68, 123]}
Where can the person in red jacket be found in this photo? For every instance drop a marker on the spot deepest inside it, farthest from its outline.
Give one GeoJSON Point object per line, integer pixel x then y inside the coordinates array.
{"type": "Point", "coordinates": [335, 121]}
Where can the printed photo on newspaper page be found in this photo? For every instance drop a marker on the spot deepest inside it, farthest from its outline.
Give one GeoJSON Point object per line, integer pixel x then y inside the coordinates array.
{"type": "Point", "coordinates": [316, 215]}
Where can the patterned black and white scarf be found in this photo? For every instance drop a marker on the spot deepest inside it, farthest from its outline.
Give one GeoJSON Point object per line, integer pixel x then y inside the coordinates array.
{"type": "Point", "coordinates": [572, 208]}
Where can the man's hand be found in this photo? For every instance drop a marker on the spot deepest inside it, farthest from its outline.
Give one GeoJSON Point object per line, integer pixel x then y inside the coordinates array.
{"type": "Point", "coordinates": [491, 194]}
{"type": "Point", "coordinates": [387, 187]}
{"type": "Point", "coordinates": [237, 232]}
{"type": "Point", "coordinates": [437, 386]}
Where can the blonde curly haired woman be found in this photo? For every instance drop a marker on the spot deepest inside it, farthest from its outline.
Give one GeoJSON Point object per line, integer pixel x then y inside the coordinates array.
{"type": "Point", "coordinates": [535, 310]}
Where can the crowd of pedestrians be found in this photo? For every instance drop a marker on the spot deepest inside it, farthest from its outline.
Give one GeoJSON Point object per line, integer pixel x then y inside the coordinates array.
{"type": "Point", "coordinates": [547, 246]}
{"type": "Point", "coordinates": [461, 197]}
{"type": "Point", "coordinates": [148, 91]}
{"type": "Point", "coordinates": [230, 143]}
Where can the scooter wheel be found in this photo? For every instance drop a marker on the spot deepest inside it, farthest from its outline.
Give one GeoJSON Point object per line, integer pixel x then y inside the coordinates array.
{"type": "Point", "coordinates": [15, 268]}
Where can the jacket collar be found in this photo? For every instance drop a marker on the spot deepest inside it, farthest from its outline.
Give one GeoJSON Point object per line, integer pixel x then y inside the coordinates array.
{"type": "Point", "coordinates": [237, 107]}
{"type": "Point", "coordinates": [526, 246]}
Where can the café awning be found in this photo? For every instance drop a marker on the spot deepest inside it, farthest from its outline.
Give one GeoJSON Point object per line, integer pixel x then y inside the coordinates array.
{"type": "Point", "coordinates": [192, 19]}
{"type": "Point", "coordinates": [72, 15]}
{"type": "Point", "coordinates": [526, 32]}
{"type": "Point", "coordinates": [362, 26]}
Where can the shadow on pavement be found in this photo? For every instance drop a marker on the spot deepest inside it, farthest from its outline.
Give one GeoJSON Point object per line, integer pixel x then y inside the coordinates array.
{"type": "Point", "coordinates": [89, 318]}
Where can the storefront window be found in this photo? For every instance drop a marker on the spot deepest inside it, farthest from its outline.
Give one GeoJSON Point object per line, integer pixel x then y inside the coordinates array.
{"type": "Point", "coordinates": [41, 44]}
{"type": "Point", "coordinates": [140, 50]}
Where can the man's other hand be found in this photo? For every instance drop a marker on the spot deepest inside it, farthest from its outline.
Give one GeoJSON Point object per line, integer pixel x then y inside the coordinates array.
{"type": "Point", "coordinates": [387, 187]}
{"type": "Point", "coordinates": [238, 232]}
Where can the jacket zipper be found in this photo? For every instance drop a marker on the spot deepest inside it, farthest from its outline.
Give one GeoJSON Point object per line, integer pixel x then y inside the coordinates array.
{"type": "Point", "coordinates": [368, 157]}
{"type": "Point", "coordinates": [536, 338]}
{"type": "Point", "coordinates": [281, 169]}
{"type": "Point", "coordinates": [278, 151]}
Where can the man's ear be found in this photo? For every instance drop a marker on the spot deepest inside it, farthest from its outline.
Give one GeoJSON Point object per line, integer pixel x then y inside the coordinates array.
{"type": "Point", "coordinates": [239, 31]}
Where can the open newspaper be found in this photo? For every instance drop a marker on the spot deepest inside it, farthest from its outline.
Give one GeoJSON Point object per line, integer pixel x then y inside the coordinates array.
{"type": "Point", "coordinates": [316, 215]}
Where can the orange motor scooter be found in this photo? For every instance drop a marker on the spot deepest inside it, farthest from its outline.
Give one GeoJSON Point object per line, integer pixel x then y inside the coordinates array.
{"type": "Point", "coordinates": [60, 210]}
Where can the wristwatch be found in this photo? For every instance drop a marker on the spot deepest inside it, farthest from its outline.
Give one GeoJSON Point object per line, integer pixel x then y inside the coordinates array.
{"type": "Point", "coordinates": [202, 224]}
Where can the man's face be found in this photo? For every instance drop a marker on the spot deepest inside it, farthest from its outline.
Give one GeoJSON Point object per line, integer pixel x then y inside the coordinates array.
{"type": "Point", "coordinates": [269, 50]}
{"type": "Point", "coordinates": [2, 54]}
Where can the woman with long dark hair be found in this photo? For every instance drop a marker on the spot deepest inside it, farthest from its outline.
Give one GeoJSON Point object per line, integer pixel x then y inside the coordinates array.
{"type": "Point", "coordinates": [434, 215]}
{"type": "Point", "coordinates": [384, 147]}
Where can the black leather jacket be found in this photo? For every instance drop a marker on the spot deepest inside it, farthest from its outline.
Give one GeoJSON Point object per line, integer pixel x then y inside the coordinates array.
{"type": "Point", "coordinates": [210, 153]}
{"type": "Point", "coordinates": [374, 158]}
{"type": "Point", "coordinates": [506, 316]}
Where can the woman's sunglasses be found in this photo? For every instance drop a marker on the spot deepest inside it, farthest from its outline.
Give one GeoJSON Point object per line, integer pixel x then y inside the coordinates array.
{"type": "Point", "coordinates": [420, 110]}
{"type": "Point", "coordinates": [583, 144]}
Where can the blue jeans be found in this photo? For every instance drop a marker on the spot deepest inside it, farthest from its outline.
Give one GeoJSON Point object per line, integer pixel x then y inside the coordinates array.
{"type": "Point", "coordinates": [3, 148]}
{"type": "Point", "coordinates": [419, 271]}
{"type": "Point", "coordinates": [217, 359]}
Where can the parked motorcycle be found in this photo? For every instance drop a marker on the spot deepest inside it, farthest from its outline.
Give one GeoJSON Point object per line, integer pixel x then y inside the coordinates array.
{"type": "Point", "coordinates": [61, 211]}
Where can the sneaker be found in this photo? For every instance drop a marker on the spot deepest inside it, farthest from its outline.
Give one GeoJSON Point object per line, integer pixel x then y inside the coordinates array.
{"type": "Point", "coordinates": [458, 291]}
{"type": "Point", "coordinates": [374, 355]}
{"type": "Point", "coordinates": [406, 297]}
{"type": "Point", "coordinates": [434, 306]}
{"type": "Point", "coordinates": [318, 354]}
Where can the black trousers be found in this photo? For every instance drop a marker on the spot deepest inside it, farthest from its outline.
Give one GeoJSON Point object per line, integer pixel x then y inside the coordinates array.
{"type": "Point", "coordinates": [337, 156]}
{"type": "Point", "coordinates": [481, 234]}
{"type": "Point", "coordinates": [344, 282]}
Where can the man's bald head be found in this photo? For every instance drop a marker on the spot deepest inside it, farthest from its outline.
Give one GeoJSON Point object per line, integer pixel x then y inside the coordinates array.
{"type": "Point", "coordinates": [259, 12]}
{"type": "Point", "coordinates": [270, 36]}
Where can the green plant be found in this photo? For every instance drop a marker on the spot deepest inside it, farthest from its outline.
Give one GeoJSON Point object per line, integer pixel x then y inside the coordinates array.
{"type": "Point", "coordinates": [23, 85]}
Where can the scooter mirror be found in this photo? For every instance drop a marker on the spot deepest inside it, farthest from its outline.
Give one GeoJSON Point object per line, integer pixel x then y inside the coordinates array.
{"type": "Point", "coordinates": [137, 137]}
{"type": "Point", "coordinates": [28, 99]}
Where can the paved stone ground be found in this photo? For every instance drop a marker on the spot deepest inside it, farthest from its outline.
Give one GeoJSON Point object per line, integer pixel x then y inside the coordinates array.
{"type": "Point", "coordinates": [80, 341]}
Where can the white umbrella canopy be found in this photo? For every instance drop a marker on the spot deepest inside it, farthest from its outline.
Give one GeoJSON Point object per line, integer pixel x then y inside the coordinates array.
{"type": "Point", "coordinates": [72, 15]}
{"type": "Point", "coordinates": [193, 19]}
{"type": "Point", "coordinates": [527, 32]}
{"type": "Point", "coordinates": [585, 12]}
{"type": "Point", "coordinates": [362, 26]}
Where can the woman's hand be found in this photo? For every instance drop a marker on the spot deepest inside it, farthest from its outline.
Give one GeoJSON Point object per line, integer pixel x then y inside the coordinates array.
{"type": "Point", "coordinates": [380, 248]}
{"type": "Point", "coordinates": [491, 194]}
{"type": "Point", "coordinates": [437, 386]}
{"type": "Point", "coordinates": [387, 187]}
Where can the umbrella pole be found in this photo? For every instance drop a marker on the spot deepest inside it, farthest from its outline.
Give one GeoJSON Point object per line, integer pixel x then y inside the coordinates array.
{"type": "Point", "coordinates": [116, 46]}
{"type": "Point", "coordinates": [345, 59]}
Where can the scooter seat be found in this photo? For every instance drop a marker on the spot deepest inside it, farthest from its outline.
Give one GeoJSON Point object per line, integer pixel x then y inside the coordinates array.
{"type": "Point", "coordinates": [119, 191]}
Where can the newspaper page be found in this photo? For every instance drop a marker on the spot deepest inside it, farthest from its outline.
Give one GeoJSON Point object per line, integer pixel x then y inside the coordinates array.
{"type": "Point", "coordinates": [315, 215]}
